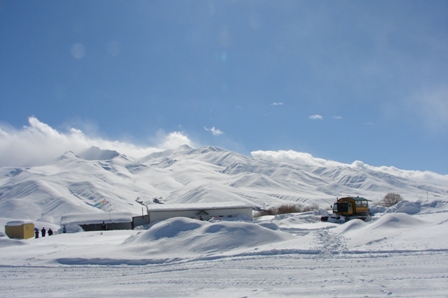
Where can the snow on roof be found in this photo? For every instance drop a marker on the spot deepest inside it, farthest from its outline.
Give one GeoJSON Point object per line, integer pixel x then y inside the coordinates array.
{"type": "Point", "coordinates": [18, 222]}
{"type": "Point", "coordinates": [197, 206]}
{"type": "Point", "coordinates": [356, 198]}
{"type": "Point", "coordinates": [96, 218]}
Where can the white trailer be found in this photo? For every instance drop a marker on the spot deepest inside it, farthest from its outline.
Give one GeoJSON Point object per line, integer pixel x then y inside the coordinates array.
{"type": "Point", "coordinates": [201, 211]}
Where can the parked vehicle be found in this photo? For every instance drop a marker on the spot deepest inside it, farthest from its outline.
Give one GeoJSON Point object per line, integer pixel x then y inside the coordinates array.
{"type": "Point", "coordinates": [347, 208]}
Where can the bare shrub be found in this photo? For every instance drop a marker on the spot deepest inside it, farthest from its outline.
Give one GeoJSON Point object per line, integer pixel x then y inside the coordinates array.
{"type": "Point", "coordinates": [265, 212]}
{"type": "Point", "coordinates": [288, 208]}
{"type": "Point", "coordinates": [283, 209]}
{"type": "Point", "coordinates": [390, 199]}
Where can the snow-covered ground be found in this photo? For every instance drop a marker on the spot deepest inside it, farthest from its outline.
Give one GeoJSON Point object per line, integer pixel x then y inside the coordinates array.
{"type": "Point", "coordinates": [402, 252]}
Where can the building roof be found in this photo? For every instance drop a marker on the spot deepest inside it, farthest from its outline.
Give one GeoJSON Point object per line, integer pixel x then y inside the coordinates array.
{"type": "Point", "coordinates": [18, 222]}
{"type": "Point", "coordinates": [356, 198]}
{"type": "Point", "coordinates": [197, 206]}
{"type": "Point", "coordinates": [96, 218]}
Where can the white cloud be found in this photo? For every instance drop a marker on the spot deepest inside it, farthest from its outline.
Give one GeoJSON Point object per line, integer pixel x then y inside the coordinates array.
{"type": "Point", "coordinates": [277, 104]}
{"type": "Point", "coordinates": [174, 140]}
{"type": "Point", "coordinates": [291, 156]}
{"type": "Point", "coordinates": [337, 117]}
{"type": "Point", "coordinates": [307, 160]}
{"type": "Point", "coordinates": [114, 48]}
{"type": "Point", "coordinates": [432, 106]}
{"type": "Point", "coordinates": [78, 51]}
{"type": "Point", "coordinates": [39, 143]}
{"type": "Point", "coordinates": [316, 117]}
{"type": "Point", "coordinates": [214, 131]}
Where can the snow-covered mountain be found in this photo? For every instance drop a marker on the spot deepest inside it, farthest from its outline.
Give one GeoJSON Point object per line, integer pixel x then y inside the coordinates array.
{"type": "Point", "coordinates": [177, 257]}
{"type": "Point", "coordinates": [104, 180]}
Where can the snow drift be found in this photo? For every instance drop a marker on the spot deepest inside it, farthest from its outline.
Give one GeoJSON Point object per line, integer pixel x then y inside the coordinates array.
{"type": "Point", "coordinates": [195, 237]}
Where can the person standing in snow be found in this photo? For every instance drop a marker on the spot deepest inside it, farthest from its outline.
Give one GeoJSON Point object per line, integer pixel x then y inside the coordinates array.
{"type": "Point", "coordinates": [36, 233]}
{"type": "Point", "coordinates": [103, 226]}
{"type": "Point", "coordinates": [64, 230]}
{"type": "Point", "coordinates": [50, 232]}
{"type": "Point", "coordinates": [43, 231]}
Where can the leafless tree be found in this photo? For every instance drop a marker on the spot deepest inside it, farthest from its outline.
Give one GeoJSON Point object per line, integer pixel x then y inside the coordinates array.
{"type": "Point", "coordinates": [288, 208]}
{"type": "Point", "coordinates": [390, 199]}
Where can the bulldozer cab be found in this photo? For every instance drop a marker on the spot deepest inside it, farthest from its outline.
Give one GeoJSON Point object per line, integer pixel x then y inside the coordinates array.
{"type": "Point", "coordinates": [343, 208]}
{"type": "Point", "coordinates": [348, 206]}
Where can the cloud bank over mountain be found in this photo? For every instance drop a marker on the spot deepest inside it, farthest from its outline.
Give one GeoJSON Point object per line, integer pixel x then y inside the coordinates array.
{"type": "Point", "coordinates": [38, 143]}
{"type": "Point", "coordinates": [83, 181]}
{"type": "Point", "coordinates": [291, 156]}
{"type": "Point", "coordinates": [307, 160]}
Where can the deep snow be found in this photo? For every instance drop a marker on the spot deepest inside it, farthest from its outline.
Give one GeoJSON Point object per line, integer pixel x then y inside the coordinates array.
{"type": "Point", "coordinates": [396, 254]}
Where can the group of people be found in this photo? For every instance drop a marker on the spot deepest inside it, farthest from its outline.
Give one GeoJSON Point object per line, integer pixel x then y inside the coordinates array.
{"type": "Point", "coordinates": [44, 232]}
{"type": "Point", "coordinates": [64, 230]}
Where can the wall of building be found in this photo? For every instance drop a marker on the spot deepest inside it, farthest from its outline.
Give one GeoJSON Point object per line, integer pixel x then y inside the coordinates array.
{"type": "Point", "coordinates": [23, 231]}
{"type": "Point", "coordinates": [140, 220]}
{"type": "Point", "coordinates": [109, 226]}
{"type": "Point", "coordinates": [162, 215]}
{"type": "Point", "coordinates": [224, 213]}
{"type": "Point", "coordinates": [247, 212]}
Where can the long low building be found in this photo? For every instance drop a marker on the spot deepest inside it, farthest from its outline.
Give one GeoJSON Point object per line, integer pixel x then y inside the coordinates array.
{"type": "Point", "coordinates": [94, 221]}
{"type": "Point", "coordinates": [201, 211]}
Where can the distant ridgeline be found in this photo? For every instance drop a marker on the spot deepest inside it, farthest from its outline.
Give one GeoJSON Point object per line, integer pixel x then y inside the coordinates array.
{"type": "Point", "coordinates": [107, 181]}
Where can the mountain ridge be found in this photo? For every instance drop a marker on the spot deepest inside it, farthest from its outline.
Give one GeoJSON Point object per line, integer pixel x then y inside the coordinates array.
{"type": "Point", "coordinates": [105, 180]}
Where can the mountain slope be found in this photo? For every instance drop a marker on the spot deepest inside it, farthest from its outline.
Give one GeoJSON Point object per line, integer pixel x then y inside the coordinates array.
{"type": "Point", "coordinates": [103, 180]}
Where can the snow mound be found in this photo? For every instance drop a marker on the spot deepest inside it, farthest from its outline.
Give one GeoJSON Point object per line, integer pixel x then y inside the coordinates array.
{"type": "Point", "coordinates": [292, 219]}
{"type": "Point", "coordinates": [378, 210]}
{"type": "Point", "coordinates": [6, 241]}
{"type": "Point", "coordinates": [350, 226]}
{"type": "Point", "coordinates": [419, 207]}
{"type": "Point", "coordinates": [269, 225]}
{"type": "Point", "coordinates": [412, 208]}
{"type": "Point", "coordinates": [201, 237]}
{"type": "Point", "coordinates": [167, 229]}
{"type": "Point", "coordinates": [396, 220]}
{"type": "Point", "coordinates": [408, 207]}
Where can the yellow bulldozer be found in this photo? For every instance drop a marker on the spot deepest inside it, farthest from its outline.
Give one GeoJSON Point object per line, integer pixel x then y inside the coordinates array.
{"type": "Point", "coordinates": [347, 208]}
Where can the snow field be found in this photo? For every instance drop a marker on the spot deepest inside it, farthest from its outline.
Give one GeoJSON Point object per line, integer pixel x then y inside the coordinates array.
{"type": "Point", "coordinates": [396, 254]}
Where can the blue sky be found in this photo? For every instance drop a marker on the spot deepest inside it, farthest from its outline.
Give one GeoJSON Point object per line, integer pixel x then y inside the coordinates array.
{"type": "Point", "coordinates": [341, 80]}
